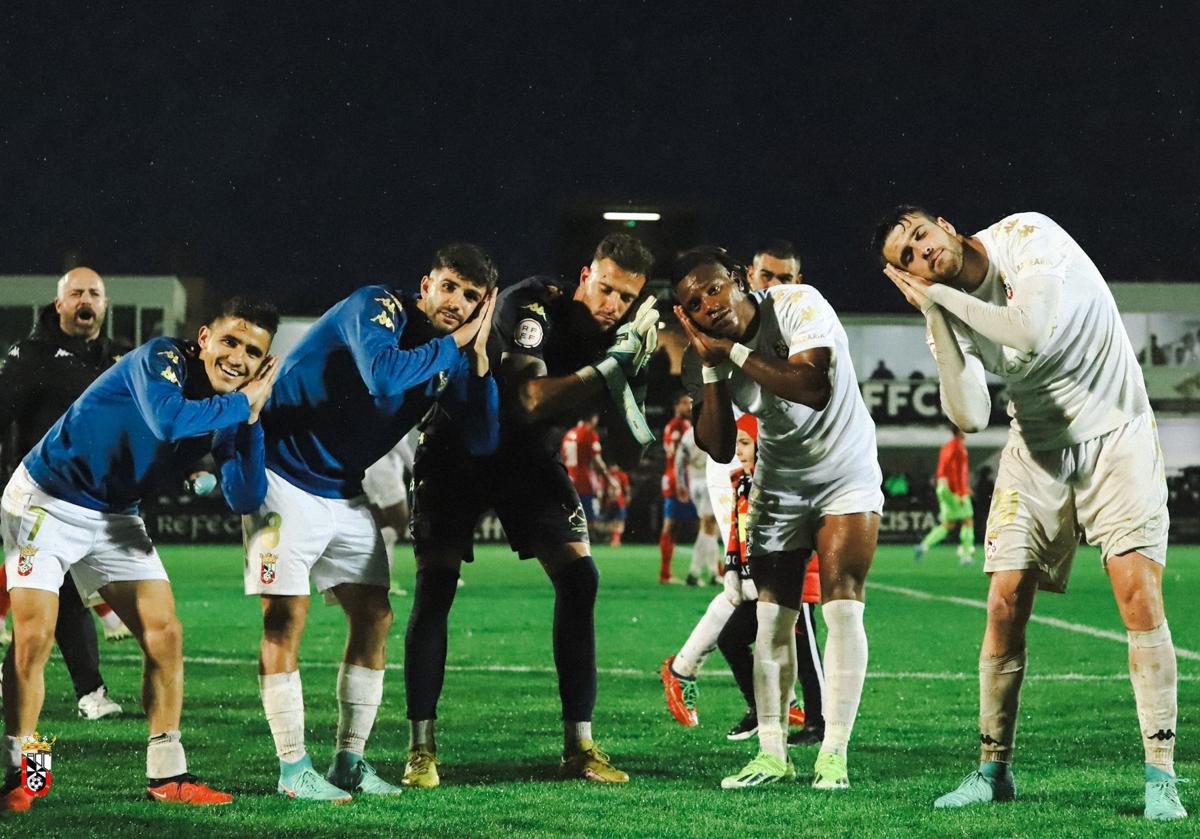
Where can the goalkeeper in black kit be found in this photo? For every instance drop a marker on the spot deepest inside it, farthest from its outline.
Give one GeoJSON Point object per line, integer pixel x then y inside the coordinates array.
{"type": "Point", "coordinates": [559, 348]}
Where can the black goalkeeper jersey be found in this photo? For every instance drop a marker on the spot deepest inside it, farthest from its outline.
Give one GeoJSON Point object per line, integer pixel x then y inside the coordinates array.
{"type": "Point", "coordinates": [538, 317]}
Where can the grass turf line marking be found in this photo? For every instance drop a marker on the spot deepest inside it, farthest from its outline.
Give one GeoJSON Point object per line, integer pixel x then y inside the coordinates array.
{"type": "Point", "coordinates": [632, 671]}
{"type": "Point", "coordinates": [1081, 628]}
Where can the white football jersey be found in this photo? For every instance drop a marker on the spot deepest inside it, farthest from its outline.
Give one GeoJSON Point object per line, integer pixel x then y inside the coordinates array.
{"type": "Point", "coordinates": [1085, 381]}
{"type": "Point", "coordinates": [691, 458]}
{"type": "Point", "coordinates": [797, 446]}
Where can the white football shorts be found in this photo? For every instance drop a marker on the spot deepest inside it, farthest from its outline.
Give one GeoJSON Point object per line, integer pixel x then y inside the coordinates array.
{"type": "Point", "coordinates": [45, 537]}
{"type": "Point", "coordinates": [1112, 490]}
{"type": "Point", "coordinates": [297, 540]}
{"type": "Point", "coordinates": [786, 520]}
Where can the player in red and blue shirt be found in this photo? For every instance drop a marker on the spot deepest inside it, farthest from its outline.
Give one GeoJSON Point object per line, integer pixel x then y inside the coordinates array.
{"type": "Point", "coordinates": [676, 507]}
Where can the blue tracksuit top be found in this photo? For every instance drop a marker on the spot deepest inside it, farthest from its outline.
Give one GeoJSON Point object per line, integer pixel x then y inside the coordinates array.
{"type": "Point", "coordinates": [361, 377]}
{"type": "Point", "coordinates": [143, 423]}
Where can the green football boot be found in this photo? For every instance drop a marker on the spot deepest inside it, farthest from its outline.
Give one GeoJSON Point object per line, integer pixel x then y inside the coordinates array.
{"type": "Point", "coordinates": [300, 781]}
{"type": "Point", "coordinates": [351, 772]}
{"type": "Point", "coordinates": [829, 772]}
{"type": "Point", "coordinates": [991, 782]}
{"type": "Point", "coordinates": [763, 769]}
{"type": "Point", "coordinates": [1162, 796]}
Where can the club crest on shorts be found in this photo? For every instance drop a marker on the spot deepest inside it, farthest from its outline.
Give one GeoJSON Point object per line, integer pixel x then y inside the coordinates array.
{"type": "Point", "coordinates": [25, 559]}
{"type": "Point", "coordinates": [35, 764]}
{"type": "Point", "coordinates": [990, 546]}
{"type": "Point", "coordinates": [528, 333]}
{"type": "Point", "coordinates": [266, 571]}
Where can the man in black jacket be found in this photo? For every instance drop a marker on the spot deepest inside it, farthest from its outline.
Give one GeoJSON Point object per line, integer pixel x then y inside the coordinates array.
{"type": "Point", "coordinates": [40, 377]}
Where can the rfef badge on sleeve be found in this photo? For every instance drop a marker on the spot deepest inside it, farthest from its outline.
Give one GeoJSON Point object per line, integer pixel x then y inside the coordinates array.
{"type": "Point", "coordinates": [35, 764]}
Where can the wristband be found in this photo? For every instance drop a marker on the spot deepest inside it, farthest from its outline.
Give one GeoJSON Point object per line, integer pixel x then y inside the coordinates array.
{"type": "Point", "coordinates": [738, 354]}
{"type": "Point", "coordinates": [712, 375]}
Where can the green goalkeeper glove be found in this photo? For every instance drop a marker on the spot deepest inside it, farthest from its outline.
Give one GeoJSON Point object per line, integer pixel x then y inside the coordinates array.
{"type": "Point", "coordinates": [637, 339]}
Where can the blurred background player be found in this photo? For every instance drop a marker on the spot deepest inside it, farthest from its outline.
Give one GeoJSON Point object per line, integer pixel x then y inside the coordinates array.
{"type": "Point", "coordinates": [691, 484]}
{"type": "Point", "coordinates": [556, 357]}
{"type": "Point", "coordinates": [954, 501]}
{"type": "Point", "coordinates": [39, 379]}
{"type": "Point", "coordinates": [583, 457]}
{"type": "Point", "coordinates": [675, 510]}
{"type": "Point", "coordinates": [817, 483]}
{"type": "Point", "coordinates": [1022, 300]}
{"type": "Point", "coordinates": [776, 262]}
{"type": "Point", "coordinates": [385, 483]}
{"type": "Point", "coordinates": [358, 381]}
{"type": "Point", "coordinates": [616, 498]}
{"type": "Point", "coordinates": [73, 507]}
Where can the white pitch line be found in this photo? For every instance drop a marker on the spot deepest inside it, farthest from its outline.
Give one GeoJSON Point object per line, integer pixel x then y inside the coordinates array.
{"type": "Point", "coordinates": [633, 671]}
{"type": "Point", "coordinates": [1081, 628]}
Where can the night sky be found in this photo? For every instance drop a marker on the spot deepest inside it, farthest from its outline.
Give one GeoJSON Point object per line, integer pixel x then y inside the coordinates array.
{"type": "Point", "coordinates": [303, 153]}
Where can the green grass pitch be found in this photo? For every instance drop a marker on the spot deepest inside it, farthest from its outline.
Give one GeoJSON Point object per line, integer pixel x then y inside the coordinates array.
{"type": "Point", "coordinates": [1078, 763]}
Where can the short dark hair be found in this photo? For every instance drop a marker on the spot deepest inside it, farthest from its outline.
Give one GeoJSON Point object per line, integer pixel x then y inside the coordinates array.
{"type": "Point", "coordinates": [628, 252]}
{"type": "Point", "coordinates": [780, 249]}
{"type": "Point", "coordinates": [889, 222]}
{"type": "Point", "coordinates": [469, 261]}
{"type": "Point", "coordinates": [689, 260]}
{"type": "Point", "coordinates": [256, 310]}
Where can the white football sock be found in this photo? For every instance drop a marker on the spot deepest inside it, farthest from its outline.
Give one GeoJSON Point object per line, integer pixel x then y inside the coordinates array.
{"type": "Point", "coordinates": [999, 697]}
{"type": "Point", "coordinates": [845, 671]}
{"type": "Point", "coordinates": [359, 694]}
{"type": "Point", "coordinates": [700, 567]}
{"type": "Point", "coordinates": [283, 702]}
{"type": "Point", "coordinates": [164, 756]}
{"type": "Point", "coordinates": [12, 750]}
{"type": "Point", "coordinates": [703, 639]}
{"type": "Point", "coordinates": [110, 620]}
{"type": "Point", "coordinates": [1153, 672]}
{"type": "Point", "coordinates": [577, 735]}
{"type": "Point", "coordinates": [774, 673]}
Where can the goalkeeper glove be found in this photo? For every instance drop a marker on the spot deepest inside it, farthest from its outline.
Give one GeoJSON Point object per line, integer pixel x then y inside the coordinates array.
{"type": "Point", "coordinates": [636, 340]}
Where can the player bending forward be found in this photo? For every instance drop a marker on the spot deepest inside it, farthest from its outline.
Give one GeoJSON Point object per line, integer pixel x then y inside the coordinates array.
{"type": "Point", "coordinates": [554, 352]}
{"type": "Point", "coordinates": [360, 378]}
{"type": "Point", "coordinates": [781, 355]}
{"type": "Point", "coordinates": [73, 506]}
{"type": "Point", "coordinates": [1022, 300]}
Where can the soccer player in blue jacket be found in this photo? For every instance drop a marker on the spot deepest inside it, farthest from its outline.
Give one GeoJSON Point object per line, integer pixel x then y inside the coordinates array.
{"type": "Point", "coordinates": [74, 505]}
{"type": "Point", "coordinates": [365, 374]}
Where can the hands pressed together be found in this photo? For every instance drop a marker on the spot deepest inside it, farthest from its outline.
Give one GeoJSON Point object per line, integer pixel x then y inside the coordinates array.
{"type": "Point", "coordinates": [635, 343]}
{"type": "Point", "coordinates": [712, 350]}
{"type": "Point", "coordinates": [473, 335]}
{"type": "Point", "coordinates": [915, 289]}
{"type": "Point", "coordinates": [258, 389]}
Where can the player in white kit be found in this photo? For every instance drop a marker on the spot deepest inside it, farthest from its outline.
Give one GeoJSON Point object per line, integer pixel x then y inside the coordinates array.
{"type": "Point", "coordinates": [1022, 300]}
{"type": "Point", "coordinates": [781, 354]}
{"type": "Point", "coordinates": [385, 484]}
{"type": "Point", "coordinates": [691, 464]}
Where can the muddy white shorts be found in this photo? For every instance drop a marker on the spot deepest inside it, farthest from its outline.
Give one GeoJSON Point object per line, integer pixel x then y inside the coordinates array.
{"type": "Point", "coordinates": [297, 540]}
{"type": "Point", "coordinates": [1112, 490]}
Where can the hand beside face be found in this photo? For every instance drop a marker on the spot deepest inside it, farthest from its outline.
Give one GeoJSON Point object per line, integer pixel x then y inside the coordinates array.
{"type": "Point", "coordinates": [232, 350]}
